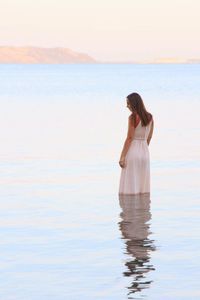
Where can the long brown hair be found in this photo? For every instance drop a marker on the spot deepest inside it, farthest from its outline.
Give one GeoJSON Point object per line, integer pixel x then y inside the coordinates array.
{"type": "Point", "coordinates": [138, 107]}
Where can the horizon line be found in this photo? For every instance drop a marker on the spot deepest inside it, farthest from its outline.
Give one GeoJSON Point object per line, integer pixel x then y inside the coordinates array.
{"type": "Point", "coordinates": [158, 60]}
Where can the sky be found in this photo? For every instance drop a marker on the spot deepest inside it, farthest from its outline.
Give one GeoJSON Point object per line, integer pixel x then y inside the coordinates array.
{"type": "Point", "coordinates": [108, 30]}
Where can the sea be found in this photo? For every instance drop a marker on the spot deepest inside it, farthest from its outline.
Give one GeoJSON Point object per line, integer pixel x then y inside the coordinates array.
{"type": "Point", "coordinates": [64, 231]}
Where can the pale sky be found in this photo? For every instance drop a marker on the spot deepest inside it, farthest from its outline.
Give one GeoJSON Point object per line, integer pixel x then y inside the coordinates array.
{"type": "Point", "coordinates": [108, 30]}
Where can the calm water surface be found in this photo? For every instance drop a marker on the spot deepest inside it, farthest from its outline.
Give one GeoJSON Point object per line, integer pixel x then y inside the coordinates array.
{"type": "Point", "coordinates": [65, 231]}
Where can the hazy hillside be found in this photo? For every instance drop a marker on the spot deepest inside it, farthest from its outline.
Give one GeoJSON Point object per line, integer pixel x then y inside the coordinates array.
{"type": "Point", "coordinates": [42, 55]}
{"type": "Point", "coordinates": [34, 55]}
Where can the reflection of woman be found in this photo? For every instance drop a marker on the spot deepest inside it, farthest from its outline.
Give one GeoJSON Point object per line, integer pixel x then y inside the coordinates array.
{"type": "Point", "coordinates": [135, 230]}
{"type": "Point", "coordinates": [135, 158]}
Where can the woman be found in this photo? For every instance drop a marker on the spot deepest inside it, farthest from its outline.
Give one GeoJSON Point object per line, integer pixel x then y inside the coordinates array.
{"type": "Point", "coordinates": [135, 157]}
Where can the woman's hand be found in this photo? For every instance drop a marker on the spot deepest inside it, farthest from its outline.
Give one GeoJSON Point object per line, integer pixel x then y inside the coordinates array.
{"type": "Point", "coordinates": [122, 162]}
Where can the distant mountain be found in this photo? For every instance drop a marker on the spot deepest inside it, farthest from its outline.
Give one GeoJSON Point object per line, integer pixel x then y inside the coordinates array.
{"type": "Point", "coordinates": [34, 55]}
{"type": "Point", "coordinates": [164, 60]}
{"type": "Point", "coordinates": [175, 60]}
{"type": "Point", "coordinates": [60, 55]}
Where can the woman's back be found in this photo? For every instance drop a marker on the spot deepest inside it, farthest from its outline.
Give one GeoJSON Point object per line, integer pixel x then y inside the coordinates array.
{"type": "Point", "coordinates": [142, 132]}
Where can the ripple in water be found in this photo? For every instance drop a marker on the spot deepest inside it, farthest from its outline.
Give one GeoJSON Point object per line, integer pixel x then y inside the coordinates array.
{"type": "Point", "coordinates": [135, 231]}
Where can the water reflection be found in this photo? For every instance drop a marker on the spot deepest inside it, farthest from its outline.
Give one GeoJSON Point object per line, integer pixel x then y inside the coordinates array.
{"type": "Point", "coordinates": [135, 230]}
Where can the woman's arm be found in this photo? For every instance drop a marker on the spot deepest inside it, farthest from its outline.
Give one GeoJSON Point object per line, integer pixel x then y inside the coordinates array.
{"type": "Point", "coordinates": [130, 134]}
{"type": "Point", "coordinates": [150, 133]}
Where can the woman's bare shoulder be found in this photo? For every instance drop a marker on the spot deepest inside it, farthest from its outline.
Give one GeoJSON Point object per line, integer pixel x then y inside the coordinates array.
{"type": "Point", "coordinates": [151, 120]}
{"type": "Point", "coordinates": [130, 116]}
{"type": "Point", "coordinates": [131, 120]}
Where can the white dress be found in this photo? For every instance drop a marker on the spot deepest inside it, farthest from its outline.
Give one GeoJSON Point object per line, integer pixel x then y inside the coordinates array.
{"type": "Point", "coordinates": [135, 176]}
